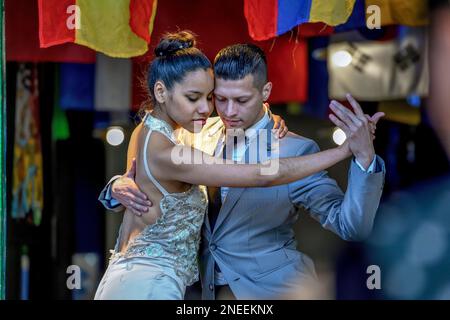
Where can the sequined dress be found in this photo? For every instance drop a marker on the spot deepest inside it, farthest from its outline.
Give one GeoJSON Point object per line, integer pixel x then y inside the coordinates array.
{"type": "Point", "coordinates": [172, 242]}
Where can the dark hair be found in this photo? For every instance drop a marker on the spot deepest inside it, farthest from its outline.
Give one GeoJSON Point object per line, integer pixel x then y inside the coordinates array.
{"type": "Point", "coordinates": [239, 60]}
{"type": "Point", "coordinates": [176, 55]}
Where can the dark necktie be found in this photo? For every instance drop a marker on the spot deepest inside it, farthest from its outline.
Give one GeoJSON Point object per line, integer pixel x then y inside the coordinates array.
{"type": "Point", "coordinates": [214, 205]}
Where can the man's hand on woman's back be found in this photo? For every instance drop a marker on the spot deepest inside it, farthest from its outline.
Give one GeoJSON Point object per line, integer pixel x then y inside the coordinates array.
{"type": "Point", "coordinates": [126, 191]}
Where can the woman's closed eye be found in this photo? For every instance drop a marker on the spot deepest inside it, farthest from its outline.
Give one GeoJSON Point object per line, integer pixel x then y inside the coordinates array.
{"type": "Point", "coordinates": [192, 99]}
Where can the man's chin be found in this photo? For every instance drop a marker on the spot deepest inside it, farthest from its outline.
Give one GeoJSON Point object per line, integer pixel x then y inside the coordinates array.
{"type": "Point", "coordinates": [234, 124]}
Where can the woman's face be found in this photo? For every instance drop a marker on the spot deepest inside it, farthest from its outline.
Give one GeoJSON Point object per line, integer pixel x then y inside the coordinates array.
{"type": "Point", "coordinates": [190, 101]}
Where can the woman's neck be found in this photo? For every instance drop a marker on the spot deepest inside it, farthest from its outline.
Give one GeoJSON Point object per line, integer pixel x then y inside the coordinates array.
{"type": "Point", "coordinates": [162, 115]}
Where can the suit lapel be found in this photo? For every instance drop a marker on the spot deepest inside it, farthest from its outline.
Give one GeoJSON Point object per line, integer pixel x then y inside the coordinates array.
{"type": "Point", "coordinates": [232, 197]}
{"type": "Point", "coordinates": [206, 222]}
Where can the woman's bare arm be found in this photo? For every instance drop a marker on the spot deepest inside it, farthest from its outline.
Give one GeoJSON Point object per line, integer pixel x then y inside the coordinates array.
{"type": "Point", "coordinates": [202, 169]}
{"type": "Point", "coordinates": [133, 146]}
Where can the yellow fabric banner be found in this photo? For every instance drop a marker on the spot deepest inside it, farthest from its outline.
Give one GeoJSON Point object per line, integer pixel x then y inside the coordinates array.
{"type": "Point", "coordinates": [406, 12]}
{"type": "Point", "coordinates": [331, 12]}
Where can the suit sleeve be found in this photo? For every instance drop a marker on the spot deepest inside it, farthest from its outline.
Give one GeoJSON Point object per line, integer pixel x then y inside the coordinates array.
{"type": "Point", "coordinates": [107, 200]}
{"type": "Point", "coordinates": [351, 214]}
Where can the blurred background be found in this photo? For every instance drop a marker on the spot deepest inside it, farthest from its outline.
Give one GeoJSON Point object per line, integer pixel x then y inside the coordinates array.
{"type": "Point", "coordinates": [70, 97]}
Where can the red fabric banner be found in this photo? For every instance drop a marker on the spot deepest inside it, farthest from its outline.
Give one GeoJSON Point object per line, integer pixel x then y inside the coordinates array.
{"type": "Point", "coordinates": [53, 28]}
{"type": "Point", "coordinates": [22, 37]}
{"type": "Point", "coordinates": [143, 12]}
{"type": "Point", "coordinates": [262, 18]}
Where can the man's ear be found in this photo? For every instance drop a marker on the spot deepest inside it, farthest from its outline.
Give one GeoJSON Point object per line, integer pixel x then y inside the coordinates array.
{"type": "Point", "coordinates": [267, 89]}
{"type": "Point", "coordinates": [160, 92]}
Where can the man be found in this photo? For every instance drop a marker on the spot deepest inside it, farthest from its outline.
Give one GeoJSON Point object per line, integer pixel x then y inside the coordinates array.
{"type": "Point", "coordinates": [248, 246]}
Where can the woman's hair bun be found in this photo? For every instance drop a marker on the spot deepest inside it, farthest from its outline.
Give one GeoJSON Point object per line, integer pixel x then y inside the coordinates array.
{"type": "Point", "coordinates": [171, 43]}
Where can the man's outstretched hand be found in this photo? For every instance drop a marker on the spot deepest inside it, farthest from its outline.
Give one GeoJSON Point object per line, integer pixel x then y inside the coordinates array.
{"type": "Point", "coordinates": [126, 191]}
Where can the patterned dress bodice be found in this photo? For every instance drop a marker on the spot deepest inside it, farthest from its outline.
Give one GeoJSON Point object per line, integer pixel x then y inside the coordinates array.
{"type": "Point", "coordinates": [173, 240]}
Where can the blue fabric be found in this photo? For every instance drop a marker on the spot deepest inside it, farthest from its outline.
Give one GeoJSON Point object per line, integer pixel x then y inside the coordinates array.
{"type": "Point", "coordinates": [356, 20]}
{"type": "Point", "coordinates": [106, 199]}
{"type": "Point", "coordinates": [77, 86]}
{"type": "Point", "coordinates": [291, 13]}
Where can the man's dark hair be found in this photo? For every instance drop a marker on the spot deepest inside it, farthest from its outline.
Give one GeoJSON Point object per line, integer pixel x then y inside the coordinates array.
{"type": "Point", "coordinates": [237, 61]}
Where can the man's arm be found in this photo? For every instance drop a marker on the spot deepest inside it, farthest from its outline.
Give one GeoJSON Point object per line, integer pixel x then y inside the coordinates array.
{"type": "Point", "coordinates": [106, 198]}
{"type": "Point", "coordinates": [351, 214]}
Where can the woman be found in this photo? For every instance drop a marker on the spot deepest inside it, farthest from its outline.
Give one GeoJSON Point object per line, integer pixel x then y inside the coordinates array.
{"type": "Point", "coordinates": [156, 255]}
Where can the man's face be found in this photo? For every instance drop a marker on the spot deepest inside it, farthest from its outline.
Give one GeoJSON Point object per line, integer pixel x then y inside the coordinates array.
{"type": "Point", "coordinates": [238, 102]}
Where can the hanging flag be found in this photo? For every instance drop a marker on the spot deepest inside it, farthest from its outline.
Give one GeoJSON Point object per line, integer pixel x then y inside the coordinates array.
{"type": "Point", "coordinates": [405, 12]}
{"type": "Point", "coordinates": [113, 81]}
{"type": "Point", "coordinates": [271, 18]}
{"type": "Point", "coordinates": [76, 86]}
{"type": "Point", "coordinates": [379, 70]}
{"type": "Point", "coordinates": [27, 189]}
{"type": "Point", "coordinates": [118, 28]}
{"type": "Point", "coordinates": [22, 38]}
